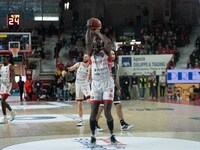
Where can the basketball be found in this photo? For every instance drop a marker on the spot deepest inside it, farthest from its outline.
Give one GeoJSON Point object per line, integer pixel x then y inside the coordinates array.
{"type": "Point", "coordinates": [64, 73]}
{"type": "Point", "coordinates": [96, 24]}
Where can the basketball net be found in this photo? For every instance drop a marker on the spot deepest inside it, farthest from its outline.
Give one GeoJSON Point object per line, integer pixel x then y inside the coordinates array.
{"type": "Point", "coordinates": [14, 51]}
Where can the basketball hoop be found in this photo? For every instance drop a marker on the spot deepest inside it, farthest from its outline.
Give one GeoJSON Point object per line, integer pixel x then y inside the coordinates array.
{"type": "Point", "coordinates": [14, 47]}
{"type": "Point", "coordinates": [14, 51]}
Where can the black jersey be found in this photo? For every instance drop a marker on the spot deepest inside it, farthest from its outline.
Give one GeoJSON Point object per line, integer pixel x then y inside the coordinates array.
{"type": "Point", "coordinates": [114, 71]}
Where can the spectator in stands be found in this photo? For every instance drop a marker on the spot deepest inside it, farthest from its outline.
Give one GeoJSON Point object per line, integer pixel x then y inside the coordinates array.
{"type": "Point", "coordinates": [73, 53]}
{"type": "Point", "coordinates": [38, 88]}
{"type": "Point", "coordinates": [125, 87]}
{"type": "Point", "coordinates": [66, 90]}
{"type": "Point", "coordinates": [194, 95]}
{"type": "Point", "coordinates": [177, 93]}
{"type": "Point", "coordinates": [57, 48]}
{"type": "Point", "coordinates": [70, 78]}
{"type": "Point", "coordinates": [197, 65]}
{"type": "Point", "coordinates": [21, 88]}
{"type": "Point", "coordinates": [170, 93]}
{"type": "Point", "coordinates": [72, 91]}
{"type": "Point", "coordinates": [60, 66]}
{"type": "Point", "coordinates": [188, 64]}
{"type": "Point", "coordinates": [52, 88]}
{"type": "Point", "coordinates": [73, 38]}
{"type": "Point", "coordinates": [79, 44]}
{"type": "Point", "coordinates": [59, 88]}
{"type": "Point", "coordinates": [197, 42]}
{"type": "Point", "coordinates": [57, 73]}
{"type": "Point", "coordinates": [156, 77]}
{"type": "Point", "coordinates": [162, 80]}
{"type": "Point", "coordinates": [42, 54]}
{"type": "Point", "coordinates": [134, 86]}
{"type": "Point", "coordinates": [152, 86]}
{"type": "Point", "coordinates": [142, 86]}
{"type": "Point", "coordinates": [28, 88]}
{"type": "Point", "coordinates": [137, 51]}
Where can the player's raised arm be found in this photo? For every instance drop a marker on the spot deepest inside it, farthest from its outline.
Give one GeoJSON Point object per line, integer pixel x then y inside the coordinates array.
{"type": "Point", "coordinates": [89, 37]}
{"type": "Point", "coordinates": [74, 67]}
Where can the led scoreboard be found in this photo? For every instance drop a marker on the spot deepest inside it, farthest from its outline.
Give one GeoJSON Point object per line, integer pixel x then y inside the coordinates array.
{"type": "Point", "coordinates": [13, 21]}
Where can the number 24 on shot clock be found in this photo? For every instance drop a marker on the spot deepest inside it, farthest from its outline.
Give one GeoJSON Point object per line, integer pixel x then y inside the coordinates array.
{"type": "Point", "coordinates": [13, 20]}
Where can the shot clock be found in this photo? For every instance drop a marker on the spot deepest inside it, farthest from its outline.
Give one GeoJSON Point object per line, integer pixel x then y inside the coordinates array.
{"type": "Point", "coordinates": [13, 21]}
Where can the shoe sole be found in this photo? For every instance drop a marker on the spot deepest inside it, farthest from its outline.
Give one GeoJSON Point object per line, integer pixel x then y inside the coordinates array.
{"type": "Point", "coordinates": [80, 125]}
{"type": "Point", "coordinates": [99, 130]}
{"type": "Point", "coordinates": [12, 118]}
{"type": "Point", "coordinates": [129, 127]}
{"type": "Point", "coordinates": [3, 122]}
{"type": "Point", "coordinates": [92, 145]}
{"type": "Point", "coordinates": [113, 143]}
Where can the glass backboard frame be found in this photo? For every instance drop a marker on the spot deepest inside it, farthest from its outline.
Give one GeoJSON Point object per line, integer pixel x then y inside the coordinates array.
{"type": "Point", "coordinates": [7, 37]}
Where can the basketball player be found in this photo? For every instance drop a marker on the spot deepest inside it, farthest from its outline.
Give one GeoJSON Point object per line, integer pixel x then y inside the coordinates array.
{"type": "Point", "coordinates": [82, 84]}
{"type": "Point", "coordinates": [8, 79]}
{"type": "Point", "coordinates": [117, 94]}
{"type": "Point", "coordinates": [98, 46]}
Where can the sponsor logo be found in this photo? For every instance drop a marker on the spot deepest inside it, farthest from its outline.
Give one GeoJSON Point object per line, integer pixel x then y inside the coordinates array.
{"type": "Point", "coordinates": [183, 76]}
{"type": "Point", "coordinates": [105, 144]}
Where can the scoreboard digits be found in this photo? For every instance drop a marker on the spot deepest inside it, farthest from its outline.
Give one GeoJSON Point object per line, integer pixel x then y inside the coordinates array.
{"type": "Point", "coordinates": [13, 21]}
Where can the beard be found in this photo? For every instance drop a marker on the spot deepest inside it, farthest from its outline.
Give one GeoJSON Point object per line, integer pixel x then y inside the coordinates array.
{"type": "Point", "coordinates": [85, 61]}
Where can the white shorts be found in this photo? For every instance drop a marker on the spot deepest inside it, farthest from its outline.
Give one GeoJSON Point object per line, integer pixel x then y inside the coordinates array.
{"type": "Point", "coordinates": [82, 89]}
{"type": "Point", "coordinates": [6, 88]}
{"type": "Point", "coordinates": [102, 90]}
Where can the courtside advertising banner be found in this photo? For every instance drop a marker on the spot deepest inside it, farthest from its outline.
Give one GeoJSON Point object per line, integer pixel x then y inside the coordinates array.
{"type": "Point", "coordinates": [183, 76]}
{"type": "Point", "coordinates": [143, 64]}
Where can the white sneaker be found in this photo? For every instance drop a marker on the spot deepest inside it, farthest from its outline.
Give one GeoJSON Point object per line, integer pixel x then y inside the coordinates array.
{"type": "Point", "coordinates": [4, 121]}
{"type": "Point", "coordinates": [13, 114]}
{"type": "Point", "coordinates": [99, 129]}
{"type": "Point", "coordinates": [126, 127]}
{"type": "Point", "coordinates": [81, 123]}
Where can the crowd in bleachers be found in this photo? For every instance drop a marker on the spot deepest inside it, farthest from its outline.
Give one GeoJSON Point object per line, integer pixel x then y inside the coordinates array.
{"type": "Point", "coordinates": [194, 58]}
{"type": "Point", "coordinates": [159, 38]}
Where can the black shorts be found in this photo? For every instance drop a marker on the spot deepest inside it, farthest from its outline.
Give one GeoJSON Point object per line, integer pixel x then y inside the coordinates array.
{"type": "Point", "coordinates": [116, 99]}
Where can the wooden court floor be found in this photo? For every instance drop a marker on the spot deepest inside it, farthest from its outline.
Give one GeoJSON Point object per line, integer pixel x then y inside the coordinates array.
{"type": "Point", "coordinates": [168, 119]}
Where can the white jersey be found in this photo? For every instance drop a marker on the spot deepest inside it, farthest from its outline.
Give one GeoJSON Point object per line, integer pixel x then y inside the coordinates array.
{"type": "Point", "coordinates": [5, 74]}
{"type": "Point", "coordinates": [6, 85]}
{"type": "Point", "coordinates": [101, 66]}
{"type": "Point", "coordinates": [82, 74]}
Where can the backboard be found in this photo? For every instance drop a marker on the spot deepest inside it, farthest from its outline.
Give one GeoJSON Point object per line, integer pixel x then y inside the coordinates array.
{"type": "Point", "coordinates": [21, 40]}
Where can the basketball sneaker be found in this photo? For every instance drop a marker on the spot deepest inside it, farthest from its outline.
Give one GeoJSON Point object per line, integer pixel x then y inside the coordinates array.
{"type": "Point", "coordinates": [93, 141]}
{"type": "Point", "coordinates": [126, 127]}
{"type": "Point", "coordinates": [99, 129]}
{"type": "Point", "coordinates": [4, 121]}
{"type": "Point", "coordinates": [13, 114]}
{"type": "Point", "coordinates": [81, 123]}
{"type": "Point", "coordinates": [113, 139]}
